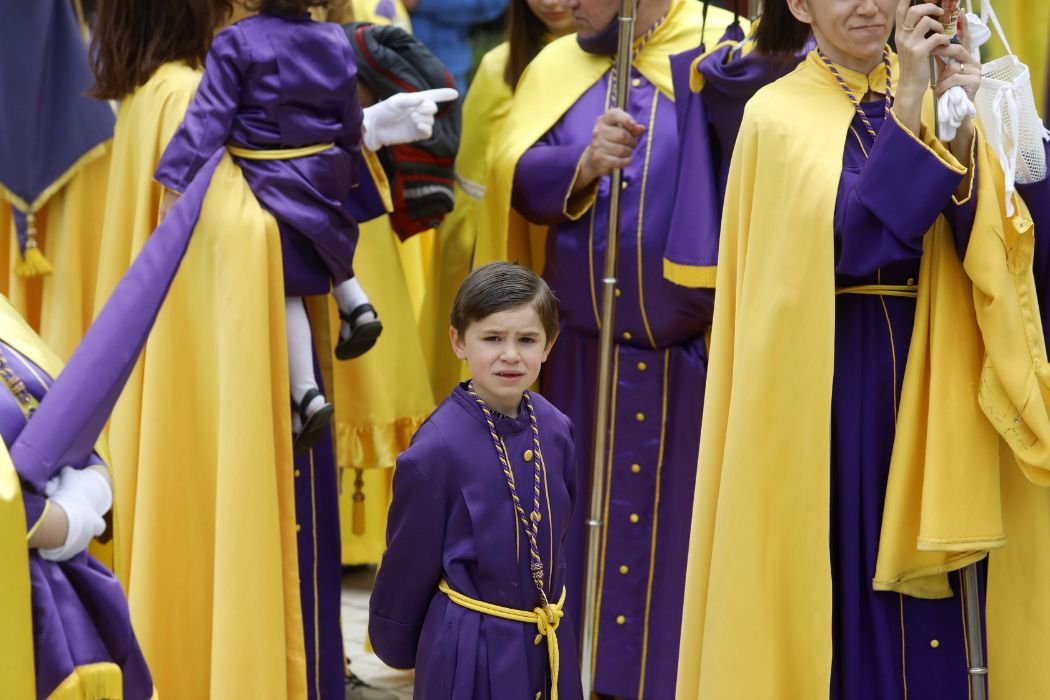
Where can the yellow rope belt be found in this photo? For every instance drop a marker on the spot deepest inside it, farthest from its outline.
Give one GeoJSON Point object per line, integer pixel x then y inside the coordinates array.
{"type": "Point", "coordinates": [278, 153]}
{"type": "Point", "coordinates": [882, 290]}
{"type": "Point", "coordinates": [546, 621]}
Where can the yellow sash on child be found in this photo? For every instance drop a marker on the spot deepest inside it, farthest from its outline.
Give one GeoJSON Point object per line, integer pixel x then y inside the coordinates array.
{"type": "Point", "coordinates": [546, 621]}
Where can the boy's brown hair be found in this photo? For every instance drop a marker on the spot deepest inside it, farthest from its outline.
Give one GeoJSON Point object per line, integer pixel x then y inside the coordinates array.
{"type": "Point", "coordinates": [502, 286]}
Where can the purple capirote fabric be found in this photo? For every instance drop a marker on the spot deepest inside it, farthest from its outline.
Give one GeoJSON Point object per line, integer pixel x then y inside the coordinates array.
{"type": "Point", "coordinates": [80, 614]}
{"type": "Point", "coordinates": [885, 646]}
{"type": "Point", "coordinates": [71, 416]}
{"type": "Point", "coordinates": [452, 518]}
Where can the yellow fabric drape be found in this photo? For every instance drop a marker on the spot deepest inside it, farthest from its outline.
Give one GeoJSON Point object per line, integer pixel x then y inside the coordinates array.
{"type": "Point", "coordinates": [503, 234]}
{"type": "Point", "coordinates": [484, 110]}
{"type": "Point", "coordinates": [757, 616]}
{"type": "Point", "coordinates": [201, 436]}
{"type": "Point", "coordinates": [382, 397]}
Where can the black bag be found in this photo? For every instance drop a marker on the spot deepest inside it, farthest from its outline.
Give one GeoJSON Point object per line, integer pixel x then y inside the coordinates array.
{"type": "Point", "coordinates": [389, 61]}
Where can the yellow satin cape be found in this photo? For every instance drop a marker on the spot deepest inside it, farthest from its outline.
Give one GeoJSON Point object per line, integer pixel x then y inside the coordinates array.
{"type": "Point", "coordinates": [484, 109]}
{"type": "Point", "coordinates": [17, 667]}
{"type": "Point", "coordinates": [757, 614]}
{"type": "Point", "coordinates": [503, 234]}
{"type": "Point", "coordinates": [382, 397]}
{"type": "Point", "coordinates": [201, 435]}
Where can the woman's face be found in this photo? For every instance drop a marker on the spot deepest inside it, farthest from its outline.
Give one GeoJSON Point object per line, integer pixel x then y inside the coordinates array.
{"type": "Point", "coordinates": [554, 16]}
{"type": "Point", "coordinates": [852, 33]}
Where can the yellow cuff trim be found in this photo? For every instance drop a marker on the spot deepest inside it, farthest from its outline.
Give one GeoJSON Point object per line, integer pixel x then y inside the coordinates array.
{"type": "Point", "coordinates": [967, 182]}
{"type": "Point", "coordinates": [39, 522]}
{"type": "Point", "coordinates": [577, 205]}
{"type": "Point", "coordinates": [690, 275]}
{"type": "Point", "coordinates": [933, 145]}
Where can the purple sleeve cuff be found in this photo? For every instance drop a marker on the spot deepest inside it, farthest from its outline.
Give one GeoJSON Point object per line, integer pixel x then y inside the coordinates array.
{"type": "Point", "coordinates": [543, 181]}
{"type": "Point", "coordinates": [395, 643]}
{"type": "Point", "coordinates": [906, 180]}
{"type": "Point", "coordinates": [207, 122]}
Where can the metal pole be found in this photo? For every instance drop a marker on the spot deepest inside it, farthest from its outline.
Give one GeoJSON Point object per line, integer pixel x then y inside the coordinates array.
{"type": "Point", "coordinates": [628, 10]}
{"type": "Point", "coordinates": [754, 9]}
{"type": "Point", "coordinates": [978, 672]}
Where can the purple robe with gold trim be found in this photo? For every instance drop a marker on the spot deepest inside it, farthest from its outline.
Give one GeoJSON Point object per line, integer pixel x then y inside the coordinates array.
{"type": "Point", "coordinates": [885, 646]}
{"type": "Point", "coordinates": [660, 365]}
{"type": "Point", "coordinates": [452, 518]}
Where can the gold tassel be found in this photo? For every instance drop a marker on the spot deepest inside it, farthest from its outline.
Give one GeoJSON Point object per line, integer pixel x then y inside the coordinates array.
{"type": "Point", "coordinates": [358, 514]}
{"type": "Point", "coordinates": [91, 682]}
{"type": "Point", "coordinates": [32, 263]}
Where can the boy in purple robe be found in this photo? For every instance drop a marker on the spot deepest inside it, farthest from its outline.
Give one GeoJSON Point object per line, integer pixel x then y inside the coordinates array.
{"type": "Point", "coordinates": [280, 91]}
{"type": "Point", "coordinates": [472, 586]}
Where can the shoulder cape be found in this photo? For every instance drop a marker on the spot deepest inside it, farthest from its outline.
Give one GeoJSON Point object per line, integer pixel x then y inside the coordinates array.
{"type": "Point", "coordinates": [502, 233]}
{"type": "Point", "coordinates": [757, 617]}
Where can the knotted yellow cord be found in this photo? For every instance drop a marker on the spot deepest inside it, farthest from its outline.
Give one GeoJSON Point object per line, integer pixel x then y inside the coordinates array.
{"type": "Point", "coordinates": [545, 618]}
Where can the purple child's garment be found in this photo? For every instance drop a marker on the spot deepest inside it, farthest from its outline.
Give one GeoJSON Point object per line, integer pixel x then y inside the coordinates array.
{"type": "Point", "coordinates": [452, 518]}
{"type": "Point", "coordinates": [279, 82]}
{"type": "Point", "coordinates": [883, 643]}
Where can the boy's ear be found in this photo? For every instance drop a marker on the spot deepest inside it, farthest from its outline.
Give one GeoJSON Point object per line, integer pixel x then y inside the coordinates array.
{"type": "Point", "coordinates": [547, 349]}
{"type": "Point", "coordinates": [457, 343]}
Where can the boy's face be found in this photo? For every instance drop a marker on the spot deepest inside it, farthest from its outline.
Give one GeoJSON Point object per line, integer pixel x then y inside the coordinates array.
{"type": "Point", "coordinates": [504, 352]}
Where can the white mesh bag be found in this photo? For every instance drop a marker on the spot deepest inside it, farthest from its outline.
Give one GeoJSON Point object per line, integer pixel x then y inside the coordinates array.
{"type": "Point", "coordinates": [1006, 109]}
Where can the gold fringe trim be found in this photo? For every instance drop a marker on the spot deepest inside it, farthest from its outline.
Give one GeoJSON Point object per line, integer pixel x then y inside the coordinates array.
{"type": "Point", "coordinates": [690, 275]}
{"type": "Point", "coordinates": [102, 681]}
{"type": "Point", "coordinates": [364, 446]}
{"type": "Point", "coordinates": [32, 262]}
{"type": "Point", "coordinates": [357, 515]}
{"type": "Point", "coordinates": [58, 183]}
{"type": "Point", "coordinates": [360, 447]}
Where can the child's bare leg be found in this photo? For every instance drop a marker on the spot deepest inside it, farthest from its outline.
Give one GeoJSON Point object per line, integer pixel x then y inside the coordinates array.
{"type": "Point", "coordinates": [300, 358]}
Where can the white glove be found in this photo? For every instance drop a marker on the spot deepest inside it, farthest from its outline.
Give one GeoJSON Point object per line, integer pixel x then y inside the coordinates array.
{"type": "Point", "coordinates": [85, 496]}
{"type": "Point", "coordinates": [403, 118]}
{"type": "Point", "coordinates": [953, 108]}
{"type": "Point", "coordinates": [977, 33]}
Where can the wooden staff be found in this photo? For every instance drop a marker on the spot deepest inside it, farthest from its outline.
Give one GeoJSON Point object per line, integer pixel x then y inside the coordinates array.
{"type": "Point", "coordinates": [628, 11]}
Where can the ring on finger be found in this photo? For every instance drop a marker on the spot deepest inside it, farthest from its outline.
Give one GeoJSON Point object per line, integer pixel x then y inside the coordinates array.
{"type": "Point", "coordinates": [909, 29]}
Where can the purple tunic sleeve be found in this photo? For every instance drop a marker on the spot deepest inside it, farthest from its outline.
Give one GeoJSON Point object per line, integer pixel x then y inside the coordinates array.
{"type": "Point", "coordinates": [412, 566]}
{"type": "Point", "coordinates": [882, 217]}
{"type": "Point", "coordinates": [543, 181]}
{"type": "Point", "coordinates": [207, 123]}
